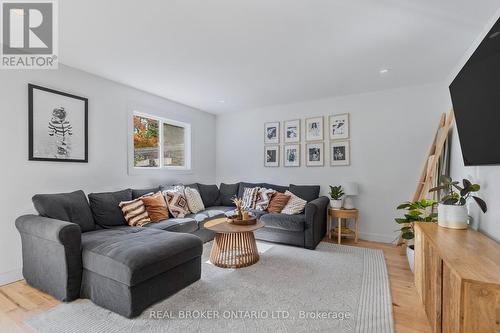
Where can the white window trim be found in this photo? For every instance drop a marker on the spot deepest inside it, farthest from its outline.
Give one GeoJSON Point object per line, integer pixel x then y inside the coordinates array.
{"type": "Point", "coordinates": [133, 170]}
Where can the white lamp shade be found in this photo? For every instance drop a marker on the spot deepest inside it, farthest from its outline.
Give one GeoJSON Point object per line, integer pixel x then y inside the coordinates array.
{"type": "Point", "coordinates": [350, 188]}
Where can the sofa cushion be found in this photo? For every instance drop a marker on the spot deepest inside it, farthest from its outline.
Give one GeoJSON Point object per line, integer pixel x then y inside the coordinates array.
{"type": "Point", "coordinates": [306, 192]}
{"type": "Point", "coordinates": [156, 207]}
{"type": "Point", "coordinates": [135, 212]}
{"type": "Point", "coordinates": [264, 196]}
{"type": "Point", "coordinates": [105, 207]}
{"type": "Point", "coordinates": [176, 202]}
{"type": "Point", "coordinates": [243, 185]}
{"type": "Point", "coordinates": [139, 193]}
{"type": "Point", "coordinates": [184, 224]}
{"type": "Point", "coordinates": [194, 201]}
{"type": "Point", "coordinates": [209, 194]}
{"type": "Point", "coordinates": [278, 202]}
{"type": "Point", "coordinates": [284, 222]}
{"type": "Point", "coordinates": [294, 206]}
{"type": "Point", "coordinates": [277, 188]}
{"type": "Point", "coordinates": [132, 255]}
{"type": "Point", "coordinates": [70, 207]}
{"type": "Point", "coordinates": [227, 192]}
{"type": "Point", "coordinates": [250, 197]}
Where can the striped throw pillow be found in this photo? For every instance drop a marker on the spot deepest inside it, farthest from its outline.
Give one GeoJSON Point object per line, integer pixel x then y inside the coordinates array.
{"type": "Point", "coordinates": [295, 205]}
{"type": "Point", "coordinates": [264, 196]}
{"type": "Point", "coordinates": [250, 197]}
{"type": "Point", "coordinates": [135, 212]}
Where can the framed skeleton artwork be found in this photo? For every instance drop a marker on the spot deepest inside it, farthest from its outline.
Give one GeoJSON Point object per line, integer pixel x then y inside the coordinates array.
{"type": "Point", "coordinates": [58, 126]}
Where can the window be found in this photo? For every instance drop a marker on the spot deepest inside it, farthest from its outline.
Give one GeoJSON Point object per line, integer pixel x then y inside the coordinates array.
{"type": "Point", "coordinates": [161, 143]}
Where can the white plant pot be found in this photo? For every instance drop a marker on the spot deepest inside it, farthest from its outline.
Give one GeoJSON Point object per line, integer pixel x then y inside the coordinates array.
{"type": "Point", "coordinates": [336, 203]}
{"type": "Point", "coordinates": [410, 253]}
{"type": "Point", "coordinates": [453, 217]}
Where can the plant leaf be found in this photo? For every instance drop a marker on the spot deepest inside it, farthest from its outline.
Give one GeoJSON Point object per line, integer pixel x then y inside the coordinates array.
{"type": "Point", "coordinates": [407, 235]}
{"type": "Point", "coordinates": [481, 203]}
{"type": "Point", "coordinates": [404, 205]}
{"type": "Point", "coordinates": [445, 179]}
{"type": "Point", "coordinates": [401, 220]}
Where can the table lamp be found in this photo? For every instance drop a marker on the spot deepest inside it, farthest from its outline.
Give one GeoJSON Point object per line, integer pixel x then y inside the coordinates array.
{"type": "Point", "coordinates": [350, 190]}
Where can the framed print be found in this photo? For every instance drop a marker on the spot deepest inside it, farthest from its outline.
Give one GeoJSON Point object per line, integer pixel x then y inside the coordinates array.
{"type": "Point", "coordinates": [314, 129]}
{"type": "Point", "coordinates": [292, 131]}
{"type": "Point", "coordinates": [272, 132]}
{"type": "Point", "coordinates": [58, 126]}
{"type": "Point", "coordinates": [291, 155]}
{"type": "Point", "coordinates": [339, 126]}
{"type": "Point", "coordinates": [340, 153]}
{"type": "Point", "coordinates": [271, 156]}
{"type": "Point", "coordinates": [315, 154]}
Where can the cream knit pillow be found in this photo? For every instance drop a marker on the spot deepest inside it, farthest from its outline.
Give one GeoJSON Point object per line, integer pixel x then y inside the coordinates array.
{"type": "Point", "coordinates": [295, 205]}
{"type": "Point", "coordinates": [194, 201]}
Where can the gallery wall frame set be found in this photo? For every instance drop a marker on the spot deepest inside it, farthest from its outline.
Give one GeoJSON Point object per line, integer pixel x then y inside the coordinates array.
{"type": "Point", "coordinates": [314, 147]}
{"type": "Point", "coordinates": [57, 125]}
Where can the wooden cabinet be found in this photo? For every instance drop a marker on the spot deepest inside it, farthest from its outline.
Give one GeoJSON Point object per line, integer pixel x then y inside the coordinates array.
{"type": "Point", "coordinates": [457, 274]}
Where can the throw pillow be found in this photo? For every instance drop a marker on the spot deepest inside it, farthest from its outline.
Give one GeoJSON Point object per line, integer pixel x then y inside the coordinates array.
{"type": "Point", "coordinates": [155, 206]}
{"type": "Point", "coordinates": [264, 196]}
{"type": "Point", "coordinates": [105, 207]}
{"type": "Point", "coordinates": [250, 197]}
{"type": "Point", "coordinates": [227, 192]}
{"type": "Point", "coordinates": [70, 207]}
{"type": "Point", "coordinates": [295, 205]}
{"type": "Point", "coordinates": [209, 194]}
{"type": "Point", "coordinates": [139, 193]}
{"type": "Point", "coordinates": [194, 201]}
{"type": "Point", "coordinates": [135, 212]}
{"type": "Point", "coordinates": [278, 202]}
{"type": "Point", "coordinates": [176, 202]}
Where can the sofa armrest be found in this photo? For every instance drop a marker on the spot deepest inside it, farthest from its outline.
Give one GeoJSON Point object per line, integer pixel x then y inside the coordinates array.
{"type": "Point", "coordinates": [315, 229]}
{"type": "Point", "coordinates": [52, 256]}
{"type": "Point", "coordinates": [58, 231]}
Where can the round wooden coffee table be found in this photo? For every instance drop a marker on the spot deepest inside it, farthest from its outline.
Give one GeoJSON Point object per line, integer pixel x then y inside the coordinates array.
{"type": "Point", "coordinates": [234, 245]}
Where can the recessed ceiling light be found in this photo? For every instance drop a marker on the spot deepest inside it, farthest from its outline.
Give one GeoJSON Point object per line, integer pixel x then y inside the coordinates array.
{"type": "Point", "coordinates": [384, 71]}
{"type": "Point", "coordinates": [222, 101]}
{"type": "Point", "coordinates": [495, 34]}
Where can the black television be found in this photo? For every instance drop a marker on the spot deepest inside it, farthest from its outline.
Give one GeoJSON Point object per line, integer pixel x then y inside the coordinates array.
{"type": "Point", "coordinates": [475, 94]}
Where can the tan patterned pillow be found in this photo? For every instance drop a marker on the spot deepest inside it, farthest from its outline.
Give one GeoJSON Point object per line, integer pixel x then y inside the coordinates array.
{"type": "Point", "coordinates": [295, 205]}
{"type": "Point", "coordinates": [176, 202]}
{"type": "Point", "coordinates": [194, 201]}
{"type": "Point", "coordinates": [135, 212]}
{"type": "Point", "coordinates": [249, 197]}
{"type": "Point", "coordinates": [264, 196]}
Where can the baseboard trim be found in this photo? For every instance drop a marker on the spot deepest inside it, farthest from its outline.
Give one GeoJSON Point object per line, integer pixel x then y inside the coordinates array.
{"type": "Point", "coordinates": [11, 276]}
{"type": "Point", "coordinates": [376, 237]}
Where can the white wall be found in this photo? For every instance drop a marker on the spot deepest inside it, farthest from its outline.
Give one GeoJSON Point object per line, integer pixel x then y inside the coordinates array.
{"type": "Point", "coordinates": [107, 168]}
{"type": "Point", "coordinates": [390, 134]}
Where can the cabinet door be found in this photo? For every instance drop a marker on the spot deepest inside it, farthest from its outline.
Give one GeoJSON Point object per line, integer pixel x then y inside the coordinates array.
{"type": "Point", "coordinates": [432, 284]}
{"type": "Point", "coordinates": [452, 295]}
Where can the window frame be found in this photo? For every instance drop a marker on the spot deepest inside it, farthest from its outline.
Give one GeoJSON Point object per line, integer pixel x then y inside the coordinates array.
{"type": "Point", "coordinates": [161, 120]}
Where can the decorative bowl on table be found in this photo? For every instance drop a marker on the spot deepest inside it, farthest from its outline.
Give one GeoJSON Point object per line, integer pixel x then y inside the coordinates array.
{"type": "Point", "coordinates": [235, 220]}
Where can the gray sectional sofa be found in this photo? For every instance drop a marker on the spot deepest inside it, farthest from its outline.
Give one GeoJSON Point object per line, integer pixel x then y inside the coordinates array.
{"type": "Point", "coordinates": [78, 248]}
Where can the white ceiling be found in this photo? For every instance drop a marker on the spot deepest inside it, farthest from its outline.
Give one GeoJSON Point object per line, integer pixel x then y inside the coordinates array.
{"type": "Point", "coordinates": [255, 53]}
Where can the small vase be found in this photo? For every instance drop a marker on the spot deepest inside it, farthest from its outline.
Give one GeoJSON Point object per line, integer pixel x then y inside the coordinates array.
{"type": "Point", "coordinates": [336, 204]}
{"type": "Point", "coordinates": [453, 217]}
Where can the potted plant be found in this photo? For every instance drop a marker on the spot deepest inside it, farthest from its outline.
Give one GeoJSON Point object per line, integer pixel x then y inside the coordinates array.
{"type": "Point", "coordinates": [418, 211]}
{"type": "Point", "coordinates": [336, 194]}
{"type": "Point", "coordinates": [452, 212]}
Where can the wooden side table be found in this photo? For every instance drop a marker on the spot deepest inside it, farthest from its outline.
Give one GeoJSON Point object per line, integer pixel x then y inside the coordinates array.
{"type": "Point", "coordinates": [342, 214]}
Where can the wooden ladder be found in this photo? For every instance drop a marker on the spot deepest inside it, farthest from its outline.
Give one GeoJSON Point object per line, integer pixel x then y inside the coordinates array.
{"type": "Point", "coordinates": [428, 174]}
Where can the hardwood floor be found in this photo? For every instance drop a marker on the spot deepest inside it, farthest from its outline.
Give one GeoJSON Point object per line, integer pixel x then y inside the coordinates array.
{"type": "Point", "coordinates": [18, 301]}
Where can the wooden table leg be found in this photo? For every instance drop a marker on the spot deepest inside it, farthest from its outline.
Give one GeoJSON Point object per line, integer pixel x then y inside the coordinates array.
{"type": "Point", "coordinates": [234, 250]}
{"type": "Point", "coordinates": [329, 226]}
{"type": "Point", "coordinates": [356, 230]}
{"type": "Point", "coordinates": [339, 230]}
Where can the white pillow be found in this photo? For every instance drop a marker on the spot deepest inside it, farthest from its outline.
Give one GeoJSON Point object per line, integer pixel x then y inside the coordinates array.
{"type": "Point", "coordinates": [194, 201]}
{"type": "Point", "coordinates": [295, 205]}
